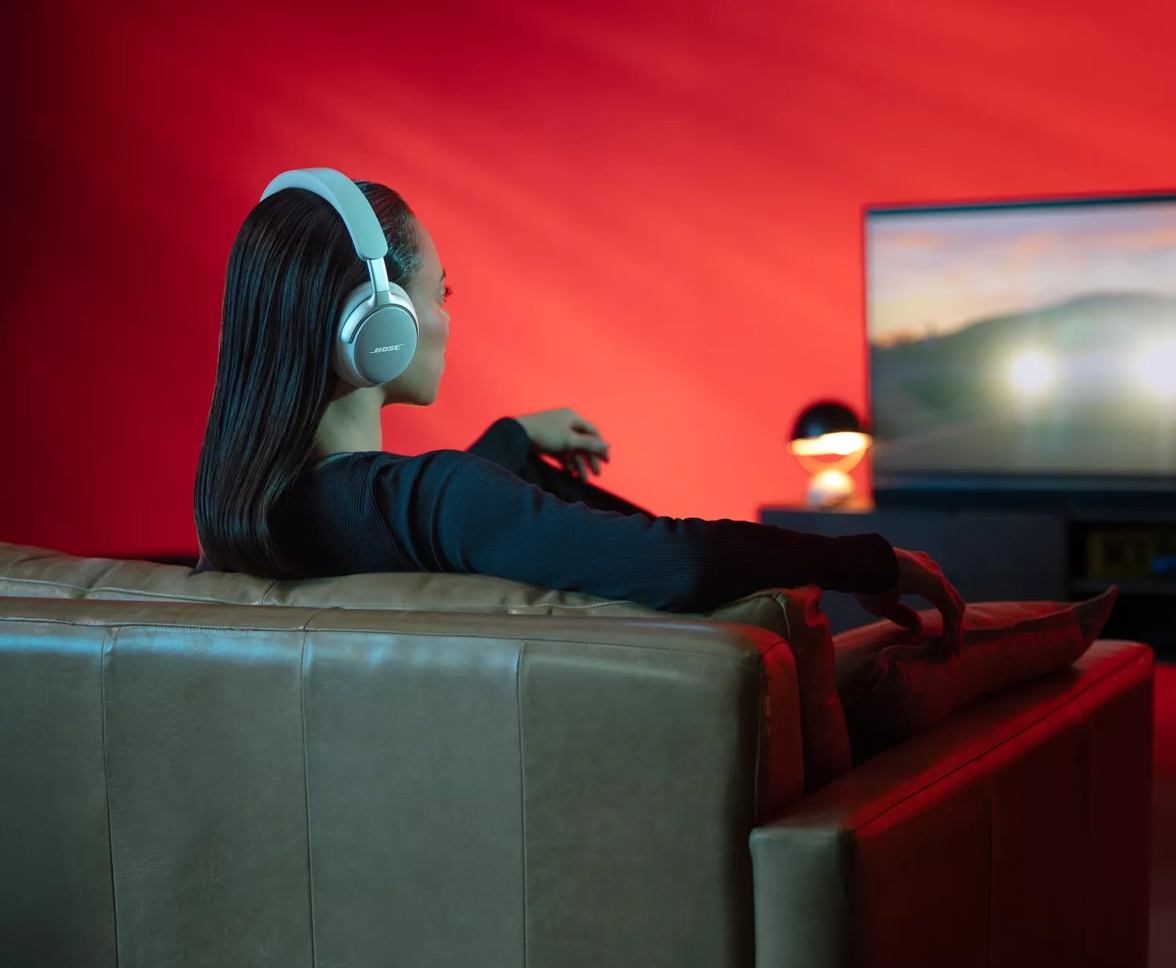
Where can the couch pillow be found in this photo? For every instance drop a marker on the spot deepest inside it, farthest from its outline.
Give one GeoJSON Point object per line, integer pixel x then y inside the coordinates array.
{"type": "Point", "coordinates": [792, 615]}
{"type": "Point", "coordinates": [893, 684]}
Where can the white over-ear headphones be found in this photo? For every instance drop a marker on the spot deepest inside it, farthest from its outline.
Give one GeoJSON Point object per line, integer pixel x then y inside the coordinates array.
{"type": "Point", "coordinates": [376, 333]}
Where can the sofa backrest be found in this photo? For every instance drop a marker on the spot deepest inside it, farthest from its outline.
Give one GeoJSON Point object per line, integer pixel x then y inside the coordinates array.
{"type": "Point", "coordinates": [188, 783]}
{"type": "Point", "coordinates": [796, 652]}
{"type": "Point", "coordinates": [32, 572]}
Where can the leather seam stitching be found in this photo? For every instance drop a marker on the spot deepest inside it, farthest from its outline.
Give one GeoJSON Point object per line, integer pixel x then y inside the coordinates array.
{"type": "Point", "coordinates": [166, 596]}
{"type": "Point", "coordinates": [265, 594]}
{"type": "Point", "coordinates": [263, 599]}
{"type": "Point", "coordinates": [306, 790]}
{"type": "Point", "coordinates": [43, 581]}
{"type": "Point", "coordinates": [763, 768]}
{"type": "Point", "coordinates": [488, 609]}
{"type": "Point", "coordinates": [522, 788]}
{"type": "Point", "coordinates": [106, 638]}
{"type": "Point", "coordinates": [324, 628]}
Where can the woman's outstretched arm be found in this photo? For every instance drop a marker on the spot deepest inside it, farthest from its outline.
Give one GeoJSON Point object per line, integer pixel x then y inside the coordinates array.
{"type": "Point", "coordinates": [457, 513]}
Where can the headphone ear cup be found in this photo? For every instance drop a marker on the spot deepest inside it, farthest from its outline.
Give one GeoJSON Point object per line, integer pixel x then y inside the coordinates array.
{"type": "Point", "coordinates": [375, 343]}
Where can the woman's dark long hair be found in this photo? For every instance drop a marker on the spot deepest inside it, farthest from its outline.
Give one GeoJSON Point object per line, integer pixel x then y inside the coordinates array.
{"type": "Point", "coordinates": [290, 268]}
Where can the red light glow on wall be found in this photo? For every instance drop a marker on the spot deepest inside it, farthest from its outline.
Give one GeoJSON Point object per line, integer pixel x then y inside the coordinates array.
{"type": "Point", "coordinates": [649, 212]}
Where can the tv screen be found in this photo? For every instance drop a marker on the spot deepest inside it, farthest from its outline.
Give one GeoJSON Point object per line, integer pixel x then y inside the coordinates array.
{"type": "Point", "coordinates": [1023, 345]}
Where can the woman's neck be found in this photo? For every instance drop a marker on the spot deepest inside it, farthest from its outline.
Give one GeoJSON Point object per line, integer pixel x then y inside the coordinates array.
{"type": "Point", "coordinates": [350, 423]}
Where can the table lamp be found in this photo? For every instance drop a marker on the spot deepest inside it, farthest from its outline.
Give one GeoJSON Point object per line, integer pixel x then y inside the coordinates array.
{"type": "Point", "coordinates": [829, 442]}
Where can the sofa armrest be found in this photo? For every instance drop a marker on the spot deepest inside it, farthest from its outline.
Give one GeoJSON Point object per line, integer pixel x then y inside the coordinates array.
{"type": "Point", "coordinates": [419, 786]}
{"type": "Point", "coordinates": [1016, 832]}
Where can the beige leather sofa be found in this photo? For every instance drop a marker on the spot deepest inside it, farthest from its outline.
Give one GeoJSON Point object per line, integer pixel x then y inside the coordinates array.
{"type": "Point", "coordinates": [211, 770]}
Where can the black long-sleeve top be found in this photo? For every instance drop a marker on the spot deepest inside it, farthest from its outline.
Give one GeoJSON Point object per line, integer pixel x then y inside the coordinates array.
{"type": "Point", "coordinates": [470, 511]}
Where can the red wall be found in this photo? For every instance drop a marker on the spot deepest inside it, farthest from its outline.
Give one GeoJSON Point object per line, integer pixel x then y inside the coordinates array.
{"type": "Point", "coordinates": [649, 211]}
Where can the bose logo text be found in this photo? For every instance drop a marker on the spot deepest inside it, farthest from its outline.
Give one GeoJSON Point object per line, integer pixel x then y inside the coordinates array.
{"type": "Point", "coordinates": [385, 349]}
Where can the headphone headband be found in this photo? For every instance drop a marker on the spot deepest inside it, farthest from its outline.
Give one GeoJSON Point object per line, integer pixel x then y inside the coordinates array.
{"type": "Point", "coordinates": [352, 206]}
{"type": "Point", "coordinates": [348, 200]}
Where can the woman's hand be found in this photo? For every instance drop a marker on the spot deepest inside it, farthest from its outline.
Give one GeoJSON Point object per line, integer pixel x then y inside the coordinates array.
{"type": "Point", "coordinates": [919, 575]}
{"type": "Point", "coordinates": [568, 437]}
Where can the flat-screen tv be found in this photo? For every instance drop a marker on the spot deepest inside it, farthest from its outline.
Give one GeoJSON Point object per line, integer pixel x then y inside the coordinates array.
{"type": "Point", "coordinates": [1023, 352]}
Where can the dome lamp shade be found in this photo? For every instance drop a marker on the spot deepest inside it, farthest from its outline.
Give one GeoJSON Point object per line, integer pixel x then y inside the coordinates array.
{"type": "Point", "coordinates": [828, 440]}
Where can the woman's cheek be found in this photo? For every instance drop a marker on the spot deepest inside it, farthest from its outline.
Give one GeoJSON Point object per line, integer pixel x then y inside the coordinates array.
{"type": "Point", "coordinates": [441, 329]}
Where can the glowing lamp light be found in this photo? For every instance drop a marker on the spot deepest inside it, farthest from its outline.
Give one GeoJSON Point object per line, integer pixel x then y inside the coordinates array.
{"type": "Point", "coordinates": [828, 442]}
{"type": "Point", "coordinates": [1155, 366]}
{"type": "Point", "coordinates": [1031, 373]}
{"type": "Point", "coordinates": [840, 443]}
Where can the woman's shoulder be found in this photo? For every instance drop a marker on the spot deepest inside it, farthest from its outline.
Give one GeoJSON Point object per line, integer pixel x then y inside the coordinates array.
{"type": "Point", "coordinates": [348, 459]}
{"type": "Point", "coordinates": [383, 462]}
{"type": "Point", "coordinates": [362, 476]}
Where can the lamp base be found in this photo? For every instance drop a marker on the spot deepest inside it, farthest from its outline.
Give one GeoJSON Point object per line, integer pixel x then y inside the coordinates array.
{"type": "Point", "coordinates": [829, 489]}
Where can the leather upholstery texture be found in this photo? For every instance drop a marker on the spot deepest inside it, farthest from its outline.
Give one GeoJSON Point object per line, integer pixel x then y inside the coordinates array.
{"type": "Point", "coordinates": [541, 783]}
{"type": "Point", "coordinates": [227, 785]}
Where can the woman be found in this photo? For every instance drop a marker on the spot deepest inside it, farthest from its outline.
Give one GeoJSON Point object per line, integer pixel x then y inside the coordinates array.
{"type": "Point", "coordinates": [293, 480]}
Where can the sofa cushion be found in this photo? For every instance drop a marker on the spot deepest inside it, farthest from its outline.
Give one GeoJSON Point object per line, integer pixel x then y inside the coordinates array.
{"type": "Point", "coordinates": [793, 615]}
{"type": "Point", "coordinates": [893, 684]}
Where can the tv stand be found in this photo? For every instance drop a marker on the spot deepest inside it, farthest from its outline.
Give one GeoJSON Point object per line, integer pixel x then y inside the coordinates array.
{"type": "Point", "coordinates": [1048, 494]}
{"type": "Point", "coordinates": [1000, 554]}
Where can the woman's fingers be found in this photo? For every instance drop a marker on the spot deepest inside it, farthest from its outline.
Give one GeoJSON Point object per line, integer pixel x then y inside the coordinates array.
{"type": "Point", "coordinates": [888, 607]}
{"type": "Point", "coordinates": [581, 449]}
{"type": "Point", "coordinates": [587, 436]}
{"type": "Point", "coordinates": [584, 426]}
{"type": "Point", "coordinates": [952, 639]}
{"type": "Point", "coordinates": [588, 441]}
{"type": "Point", "coordinates": [577, 462]}
{"type": "Point", "coordinates": [943, 596]}
{"type": "Point", "coordinates": [922, 576]}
